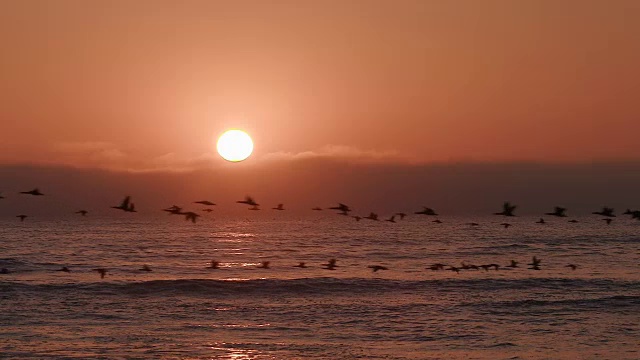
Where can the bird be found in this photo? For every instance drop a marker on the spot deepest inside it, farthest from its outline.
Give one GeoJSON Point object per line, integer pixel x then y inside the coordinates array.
{"type": "Point", "coordinates": [330, 265]}
{"type": "Point", "coordinates": [248, 200]}
{"type": "Point", "coordinates": [341, 207]}
{"type": "Point", "coordinates": [204, 202]}
{"type": "Point", "coordinates": [34, 192]}
{"type": "Point", "coordinates": [207, 210]}
{"type": "Point", "coordinates": [507, 210]}
{"type": "Point", "coordinates": [22, 217]}
{"type": "Point", "coordinates": [426, 211]}
{"type": "Point", "coordinates": [402, 215]}
{"type": "Point", "coordinates": [301, 265]}
{"type": "Point", "coordinates": [608, 221]}
{"type": "Point", "coordinates": [572, 266]}
{"type": "Point", "coordinates": [606, 211]}
{"type": "Point", "coordinates": [317, 208]}
{"type": "Point", "coordinates": [514, 264]}
{"type": "Point", "coordinates": [279, 207]}
{"type": "Point", "coordinates": [392, 219]}
{"type": "Point", "coordinates": [190, 215]}
{"type": "Point", "coordinates": [535, 263]}
{"type": "Point", "coordinates": [264, 265]}
{"type": "Point", "coordinates": [505, 225]}
{"type": "Point", "coordinates": [558, 211]}
{"type": "Point", "coordinates": [145, 268]}
{"type": "Point", "coordinates": [214, 265]}
{"type": "Point", "coordinates": [372, 216]}
{"type": "Point", "coordinates": [437, 221]}
{"type": "Point", "coordinates": [357, 217]}
{"type": "Point", "coordinates": [541, 221]}
{"type": "Point", "coordinates": [102, 272]}
{"type": "Point", "coordinates": [126, 205]}
{"type": "Point", "coordinates": [174, 210]}
{"type": "Point", "coordinates": [82, 212]}
{"type": "Point", "coordinates": [64, 269]}
{"type": "Point", "coordinates": [437, 266]}
{"type": "Point", "coordinates": [473, 224]}
{"type": "Point", "coordinates": [375, 268]}
{"type": "Point", "coordinates": [573, 221]}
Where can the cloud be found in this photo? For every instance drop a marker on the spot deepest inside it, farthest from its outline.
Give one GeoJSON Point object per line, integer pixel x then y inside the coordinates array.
{"type": "Point", "coordinates": [341, 152]}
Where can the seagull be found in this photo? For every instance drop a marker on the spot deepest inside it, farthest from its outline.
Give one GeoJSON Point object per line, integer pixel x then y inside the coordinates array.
{"type": "Point", "coordinates": [330, 265]}
{"type": "Point", "coordinates": [608, 221]}
{"type": "Point", "coordinates": [279, 207]}
{"type": "Point", "coordinates": [249, 201]}
{"type": "Point", "coordinates": [317, 208]}
{"type": "Point", "coordinates": [82, 212]}
{"type": "Point", "coordinates": [558, 211]}
{"type": "Point", "coordinates": [64, 269]}
{"type": "Point", "coordinates": [190, 215]}
{"type": "Point", "coordinates": [102, 272]}
{"type": "Point", "coordinates": [342, 207]}
{"type": "Point", "coordinates": [264, 265]}
{"type": "Point", "coordinates": [22, 217]}
{"type": "Point", "coordinates": [402, 215]}
{"type": "Point", "coordinates": [125, 205]}
{"type": "Point", "coordinates": [535, 263]}
{"type": "Point", "coordinates": [34, 192]}
{"type": "Point", "coordinates": [375, 268]}
{"type": "Point", "coordinates": [372, 216]}
{"type": "Point", "coordinates": [426, 211]}
{"type": "Point", "coordinates": [174, 210]}
{"type": "Point", "coordinates": [204, 202]}
{"type": "Point", "coordinates": [507, 209]}
{"type": "Point", "coordinates": [301, 265]}
{"type": "Point", "coordinates": [606, 211]}
{"type": "Point", "coordinates": [145, 268]}
{"type": "Point", "coordinates": [572, 266]}
{"type": "Point", "coordinates": [214, 265]}
{"type": "Point", "coordinates": [514, 264]}
{"type": "Point", "coordinates": [391, 219]}
{"type": "Point", "coordinates": [541, 221]}
{"type": "Point", "coordinates": [505, 225]}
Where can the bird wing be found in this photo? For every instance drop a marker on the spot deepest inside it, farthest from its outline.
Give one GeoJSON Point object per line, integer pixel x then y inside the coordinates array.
{"type": "Point", "coordinates": [125, 202]}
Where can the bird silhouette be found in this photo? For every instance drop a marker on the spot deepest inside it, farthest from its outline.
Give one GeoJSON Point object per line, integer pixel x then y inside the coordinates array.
{"type": "Point", "coordinates": [317, 208]}
{"type": "Point", "coordinates": [341, 207]}
{"type": "Point", "coordinates": [145, 268]}
{"type": "Point", "coordinates": [279, 207]}
{"type": "Point", "coordinates": [473, 224]}
{"type": "Point", "coordinates": [606, 211]}
{"type": "Point", "coordinates": [507, 210]}
{"type": "Point", "coordinates": [541, 221]}
{"type": "Point", "coordinates": [437, 221]}
{"type": "Point", "coordinates": [608, 221]}
{"type": "Point", "coordinates": [426, 211]}
{"type": "Point", "coordinates": [126, 205]}
{"type": "Point", "coordinates": [372, 216]}
{"type": "Point", "coordinates": [207, 210]}
{"type": "Point", "coordinates": [437, 266]}
{"type": "Point", "coordinates": [558, 211]}
{"type": "Point", "coordinates": [174, 210]}
{"type": "Point", "coordinates": [535, 263]}
{"type": "Point", "coordinates": [204, 202]}
{"type": "Point", "coordinates": [375, 268]}
{"type": "Point", "coordinates": [330, 265]}
{"type": "Point", "coordinates": [514, 264]}
{"type": "Point", "coordinates": [572, 266]}
{"type": "Point", "coordinates": [34, 192]}
{"type": "Point", "coordinates": [573, 221]}
{"type": "Point", "coordinates": [214, 265]}
{"type": "Point", "coordinates": [102, 272]}
{"type": "Point", "coordinates": [392, 219]}
{"type": "Point", "coordinates": [248, 200]}
{"type": "Point", "coordinates": [190, 215]}
{"type": "Point", "coordinates": [82, 212]}
{"type": "Point", "coordinates": [402, 215]}
{"type": "Point", "coordinates": [22, 217]}
{"type": "Point", "coordinates": [64, 269]}
{"type": "Point", "coordinates": [357, 217]}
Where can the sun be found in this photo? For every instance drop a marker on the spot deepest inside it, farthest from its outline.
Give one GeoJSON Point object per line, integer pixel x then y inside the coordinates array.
{"type": "Point", "coordinates": [235, 145]}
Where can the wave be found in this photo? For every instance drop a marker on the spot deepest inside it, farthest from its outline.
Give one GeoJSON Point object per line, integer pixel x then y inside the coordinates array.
{"type": "Point", "coordinates": [327, 286]}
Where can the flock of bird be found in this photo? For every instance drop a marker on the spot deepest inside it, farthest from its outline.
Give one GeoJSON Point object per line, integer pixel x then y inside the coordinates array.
{"type": "Point", "coordinates": [342, 209]}
{"type": "Point", "coordinates": [507, 211]}
{"type": "Point", "coordinates": [332, 264]}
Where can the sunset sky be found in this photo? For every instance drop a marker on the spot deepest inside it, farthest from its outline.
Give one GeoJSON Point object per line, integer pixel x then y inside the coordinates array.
{"type": "Point", "coordinates": [150, 85]}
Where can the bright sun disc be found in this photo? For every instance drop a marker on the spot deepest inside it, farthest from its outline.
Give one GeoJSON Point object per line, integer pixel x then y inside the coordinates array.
{"type": "Point", "coordinates": [235, 145]}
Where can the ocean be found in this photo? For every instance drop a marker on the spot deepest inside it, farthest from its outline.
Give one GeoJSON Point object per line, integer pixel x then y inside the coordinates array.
{"type": "Point", "coordinates": [183, 309]}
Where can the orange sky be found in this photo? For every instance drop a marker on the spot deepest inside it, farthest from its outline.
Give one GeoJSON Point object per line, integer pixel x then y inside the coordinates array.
{"type": "Point", "coordinates": [150, 84]}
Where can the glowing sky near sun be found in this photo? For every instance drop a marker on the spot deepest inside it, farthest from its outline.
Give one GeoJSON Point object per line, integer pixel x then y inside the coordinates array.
{"type": "Point", "coordinates": [153, 82]}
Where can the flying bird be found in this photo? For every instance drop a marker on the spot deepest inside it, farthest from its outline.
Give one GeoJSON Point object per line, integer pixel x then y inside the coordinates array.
{"type": "Point", "coordinates": [606, 211]}
{"type": "Point", "coordinates": [507, 210]}
{"type": "Point", "coordinates": [357, 217]}
{"type": "Point", "coordinates": [572, 266]}
{"type": "Point", "coordinates": [145, 268]}
{"type": "Point", "coordinates": [558, 211]}
{"type": "Point", "coordinates": [402, 215]}
{"type": "Point", "coordinates": [102, 272]}
{"type": "Point", "coordinates": [64, 269]}
{"type": "Point", "coordinates": [514, 264]}
{"type": "Point", "coordinates": [82, 212]}
{"type": "Point", "coordinates": [541, 221]}
{"type": "Point", "coordinates": [207, 210]}
{"type": "Point", "coordinates": [341, 207]}
{"type": "Point", "coordinates": [392, 219]}
{"type": "Point", "coordinates": [573, 221]}
{"type": "Point", "coordinates": [330, 265]}
{"type": "Point", "coordinates": [437, 221]}
{"type": "Point", "coordinates": [426, 211]}
{"type": "Point", "coordinates": [279, 207]}
{"type": "Point", "coordinates": [248, 200]}
{"type": "Point", "coordinates": [535, 263]}
{"type": "Point", "coordinates": [22, 217]}
{"type": "Point", "coordinates": [34, 192]}
{"type": "Point", "coordinates": [204, 202]}
{"type": "Point", "coordinates": [372, 216]}
{"type": "Point", "coordinates": [608, 221]}
{"type": "Point", "coordinates": [190, 215]}
{"type": "Point", "coordinates": [317, 208]}
{"type": "Point", "coordinates": [174, 210]}
{"type": "Point", "coordinates": [214, 265]}
{"type": "Point", "coordinates": [375, 268]}
{"type": "Point", "coordinates": [126, 205]}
